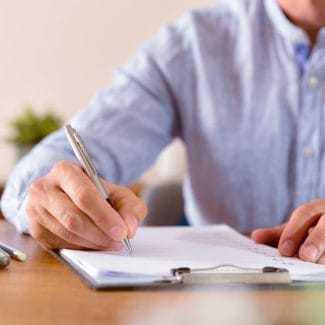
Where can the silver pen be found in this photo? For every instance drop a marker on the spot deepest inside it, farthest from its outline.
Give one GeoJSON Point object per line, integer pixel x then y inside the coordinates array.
{"type": "Point", "coordinates": [13, 252]}
{"type": "Point", "coordinates": [86, 162]}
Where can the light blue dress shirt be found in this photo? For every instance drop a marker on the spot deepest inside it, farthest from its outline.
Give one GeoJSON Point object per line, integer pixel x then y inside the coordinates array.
{"type": "Point", "coordinates": [237, 82]}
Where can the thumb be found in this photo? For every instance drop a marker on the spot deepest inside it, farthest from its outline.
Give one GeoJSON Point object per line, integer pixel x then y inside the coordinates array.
{"type": "Point", "coordinates": [269, 236]}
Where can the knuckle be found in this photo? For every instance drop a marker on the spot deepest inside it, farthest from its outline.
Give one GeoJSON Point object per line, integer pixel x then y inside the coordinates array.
{"type": "Point", "coordinates": [316, 202]}
{"type": "Point", "coordinates": [68, 236]}
{"type": "Point", "coordinates": [61, 232]}
{"type": "Point", "coordinates": [81, 196]}
{"type": "Point", "coordinates": [125, 191]}
{"type": "Point", "coordinates": [120, 188]}
{"type": "Point", "coordinates": [62, 166]}
{"type": "Point", "coordinates": [318, 237]}
{"type": "Point", "coordinates": [141, 209]}
{"type": "Point", "coordinates": [101, 220]}
{"type": "Point", "coordinates": [36, 187]}
{"type": "Point", "coordinates": [304, 211]}
{"type": "Point", "coordinates": [30, 209]}
{"type": "Point", "coordinates": [129, 201]}
{"type": "Point", "coordinates": [70, 220]}
{"type": "Point", "coordinates": [32, 213]}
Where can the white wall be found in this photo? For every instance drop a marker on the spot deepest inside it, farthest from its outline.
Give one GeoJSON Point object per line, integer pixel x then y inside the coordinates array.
{"type": "Point", "coordinates": [58, 52]}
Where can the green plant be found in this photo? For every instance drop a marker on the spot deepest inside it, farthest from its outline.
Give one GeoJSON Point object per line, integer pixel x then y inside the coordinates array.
{"type": "Point", "coordinates": [29, 128]}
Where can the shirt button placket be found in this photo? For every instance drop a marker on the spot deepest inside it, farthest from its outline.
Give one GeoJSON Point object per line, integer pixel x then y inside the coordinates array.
{"type": "Point", "coordinates": [312, 82]}
{"type": "Point", "coordinates": [310, 152]}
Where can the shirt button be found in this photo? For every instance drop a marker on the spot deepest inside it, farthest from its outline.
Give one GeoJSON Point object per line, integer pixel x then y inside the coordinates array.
{"type": "Point", "coordinates": [308, 152]}
{"type": "Point", "coordinates": [312, 82]}
{"type": "Point", "coordinates": [299, 37]}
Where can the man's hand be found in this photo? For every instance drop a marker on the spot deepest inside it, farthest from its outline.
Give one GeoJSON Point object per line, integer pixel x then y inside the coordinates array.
{"type": "Point", "coordinates": [302, 236]}
{"type": "Point", "coordinates": [65, 209]}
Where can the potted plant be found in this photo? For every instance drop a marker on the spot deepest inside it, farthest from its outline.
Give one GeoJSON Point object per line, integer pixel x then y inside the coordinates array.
{"type": "Point", "coordinates": [29, 128]}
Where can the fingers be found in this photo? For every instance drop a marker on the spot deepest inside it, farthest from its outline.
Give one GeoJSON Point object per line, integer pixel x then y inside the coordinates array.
{"type": "Point", "coordinates": [52, 235]}
{"type": "Point", "coordinates": [85, 195]}
{"type": "Point", "coordinates": [52, 240]}
{"type": "Point", "coordinates": [66, 215]}
{"type": "Point", "coordinates": [297, 236]}
{"type": "Point", "coordinates": [321, 260]}
{"type": "Point", "coordinates": [269, 236]}
{"type": "Point", "coordinates": [302, 236]}
{"type": "Point", "coordinates": [128, 205]}
{"type": "Point", "coordinates": [48, 240]}
{"type": "Point", "coordinates": [65, 232]}
{"type": "Point", "coordinates": [69, 206]}
{"type": "Point", "coordinates": [314, 246]}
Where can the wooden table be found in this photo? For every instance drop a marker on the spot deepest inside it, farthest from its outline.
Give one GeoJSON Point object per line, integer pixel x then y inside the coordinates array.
{"type": "Point", "coordinates": [43, 291]}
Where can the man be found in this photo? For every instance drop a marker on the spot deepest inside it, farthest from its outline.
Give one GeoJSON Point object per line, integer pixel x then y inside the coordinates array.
{"type": "Point", "coordinates": [242, 84]}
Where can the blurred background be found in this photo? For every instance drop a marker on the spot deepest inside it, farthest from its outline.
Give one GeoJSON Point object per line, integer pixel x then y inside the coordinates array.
{"type": "Point", "coordinates": [56, 54]}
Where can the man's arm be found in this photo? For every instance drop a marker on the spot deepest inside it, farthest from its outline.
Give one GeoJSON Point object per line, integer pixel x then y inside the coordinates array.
{"type": "Point", "coordinates": [125, 127]}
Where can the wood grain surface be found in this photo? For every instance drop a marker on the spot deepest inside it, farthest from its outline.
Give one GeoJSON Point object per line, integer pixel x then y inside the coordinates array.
{"type": "Point", "coordinates": [43, 291]}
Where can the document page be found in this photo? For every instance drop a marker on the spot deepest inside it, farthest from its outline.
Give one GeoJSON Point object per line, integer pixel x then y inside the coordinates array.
{"type": "Point", "coordinates": [157, 250]}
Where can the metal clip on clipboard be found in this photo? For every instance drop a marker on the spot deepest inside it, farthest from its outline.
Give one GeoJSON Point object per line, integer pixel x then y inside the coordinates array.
{"type": "Point", "coordinates": [229, 273]}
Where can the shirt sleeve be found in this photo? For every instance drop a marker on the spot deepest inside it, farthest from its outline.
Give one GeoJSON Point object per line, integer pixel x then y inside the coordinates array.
{"type": "Point", "coordinates": [124, 126]}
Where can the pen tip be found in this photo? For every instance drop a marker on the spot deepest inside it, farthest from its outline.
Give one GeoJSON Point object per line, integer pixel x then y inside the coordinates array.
{"type": "Point", "coordinates": [130, 250]}
{"type": "Point", "coordinates": [128, 246]}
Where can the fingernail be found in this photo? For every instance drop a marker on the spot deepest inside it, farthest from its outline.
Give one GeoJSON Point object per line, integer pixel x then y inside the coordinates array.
{"type": "Point", "coordinates": [287, 248]}
{"type": "Point", "coordinates": [117, 233]}
{"type": "Point", "coordinates": [133, 224]}
{"type": "Point", "coordinates": [310, 252]}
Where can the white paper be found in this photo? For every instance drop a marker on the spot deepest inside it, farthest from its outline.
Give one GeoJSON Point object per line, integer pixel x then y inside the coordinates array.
{"type": "Point", "coordinates": [157, 250]}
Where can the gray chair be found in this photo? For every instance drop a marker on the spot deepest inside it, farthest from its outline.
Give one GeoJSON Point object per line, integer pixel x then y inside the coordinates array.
{"type": "Point", "coordinates": [165, 204]}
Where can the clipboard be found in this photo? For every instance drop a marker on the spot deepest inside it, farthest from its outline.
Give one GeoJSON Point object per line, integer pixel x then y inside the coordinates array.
{"type": "Point", "coordinates": [201, 255]}
{"type": "Point", "coordinates": [182, 276]}
{"type": "Point", "coordinates": [230, 273]}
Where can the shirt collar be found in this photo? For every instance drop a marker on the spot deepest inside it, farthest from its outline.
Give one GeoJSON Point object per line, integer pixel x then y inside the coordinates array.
{"type": "Point", "coordinates": [281, 23]}
{"type": "Point", "coordinates": [321, 37]}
